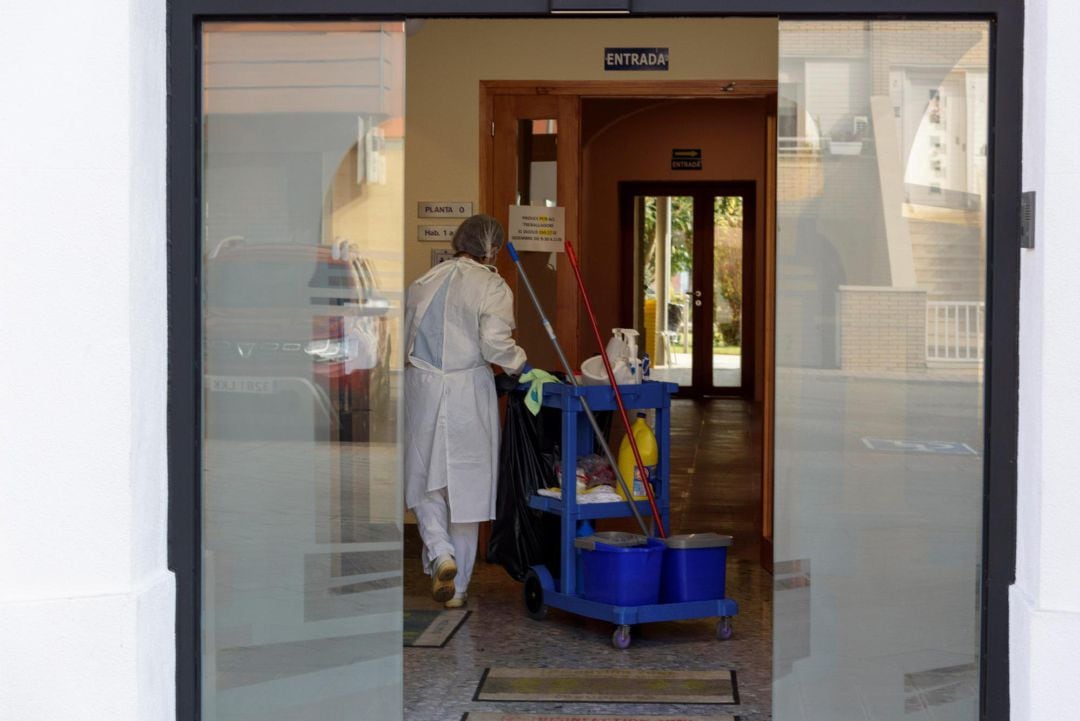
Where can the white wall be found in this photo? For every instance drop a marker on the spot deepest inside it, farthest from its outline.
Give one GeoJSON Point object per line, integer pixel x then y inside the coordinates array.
{"type": "Point", "coordinates": [86, 601]}
{"type": "Point", "coordinates": [1045, 603]}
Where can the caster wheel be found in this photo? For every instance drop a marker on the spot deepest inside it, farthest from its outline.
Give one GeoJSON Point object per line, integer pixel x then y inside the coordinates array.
{"type": "Point", "coordinates": [724, 631]}
{"type": "Point", "coordinates": [534, 597]}
{"type": "Point", "coordinates": [620, 639]}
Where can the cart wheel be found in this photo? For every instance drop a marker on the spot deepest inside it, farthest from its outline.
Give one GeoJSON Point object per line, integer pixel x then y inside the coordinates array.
{"type": "Point", "coordinates": [534, 597]}
{"type": "Point", "coordinates": [724, 631]}
{"type": "Point", "coordinates": [621, 637]}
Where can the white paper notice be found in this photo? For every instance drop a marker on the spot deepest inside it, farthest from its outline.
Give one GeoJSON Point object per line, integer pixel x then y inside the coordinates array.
{"type": "Point", "coordinates": [537, 228]}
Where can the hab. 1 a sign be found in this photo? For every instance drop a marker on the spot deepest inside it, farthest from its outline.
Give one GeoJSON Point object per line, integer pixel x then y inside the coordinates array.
{"type": "Point", "coordinates": [536, 228]}
{"type": "Point", "coordinates": [436, 233]}
{"type": "Point", "coordinates": [640, 59]}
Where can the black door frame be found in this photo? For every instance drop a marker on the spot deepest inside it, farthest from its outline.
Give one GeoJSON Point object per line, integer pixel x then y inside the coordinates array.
{"type": "Point", "coordinates": [746, 189]}
{"type": "Point", "coordinates": [184, 21]}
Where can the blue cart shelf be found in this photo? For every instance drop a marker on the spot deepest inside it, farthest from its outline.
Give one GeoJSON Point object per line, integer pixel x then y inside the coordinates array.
{"type": "Point", "coordinates": [542, 589]}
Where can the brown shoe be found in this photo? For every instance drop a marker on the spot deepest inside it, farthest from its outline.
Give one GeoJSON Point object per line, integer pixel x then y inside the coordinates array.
{"type": "Point", "coordinates": [444, 569]}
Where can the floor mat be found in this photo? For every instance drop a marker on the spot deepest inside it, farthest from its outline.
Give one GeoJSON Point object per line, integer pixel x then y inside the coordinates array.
{"type": "Point", "coordinates": [432, 629]}
{"type": "Point", "coordinates": [607, 686]}
{"type": "Point", "coordinates": [488, 716]}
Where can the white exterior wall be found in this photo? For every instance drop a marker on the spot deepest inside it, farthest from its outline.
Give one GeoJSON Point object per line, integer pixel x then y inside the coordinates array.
{"type": "Point", "coordinates": [86, 601]}
{"type": "Point", "coordinates": [1045, 604]}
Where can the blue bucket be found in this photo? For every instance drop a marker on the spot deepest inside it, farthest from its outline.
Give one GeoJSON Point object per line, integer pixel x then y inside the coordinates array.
{"type": "Point", "coordinates": [624, 575]}
{"type": "Point", "coordinates": [695, 567]}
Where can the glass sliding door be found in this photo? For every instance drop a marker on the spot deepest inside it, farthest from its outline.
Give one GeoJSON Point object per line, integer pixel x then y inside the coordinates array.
{"type": "Point", "coordinates": [302, 208]}
{"type": "Point", "coordinates": [879, 422]}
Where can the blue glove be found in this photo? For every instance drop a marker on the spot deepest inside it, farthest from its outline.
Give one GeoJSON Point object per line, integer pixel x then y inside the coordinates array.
{"type": "Point", "coordinates": [525, 368]}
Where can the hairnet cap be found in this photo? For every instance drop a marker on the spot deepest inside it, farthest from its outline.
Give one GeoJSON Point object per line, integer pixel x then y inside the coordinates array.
{"type": "Point", "coordinates": [480, 236]}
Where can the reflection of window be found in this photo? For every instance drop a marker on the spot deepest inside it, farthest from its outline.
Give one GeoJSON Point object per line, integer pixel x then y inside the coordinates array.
{"type": "Point", "coordinates": [787, 111]}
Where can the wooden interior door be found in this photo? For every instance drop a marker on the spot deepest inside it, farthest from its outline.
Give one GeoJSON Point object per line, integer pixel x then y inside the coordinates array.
{"type": "Point", "coordinates": [511, 145]}
{"type": "Point", "coordinates": [507, 146]}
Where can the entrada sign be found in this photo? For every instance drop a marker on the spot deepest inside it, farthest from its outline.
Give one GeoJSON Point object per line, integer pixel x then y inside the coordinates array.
{"type": "Point", "coordinates": [636, 58]}
{"type": "Point", "coordinates": [686, 159]}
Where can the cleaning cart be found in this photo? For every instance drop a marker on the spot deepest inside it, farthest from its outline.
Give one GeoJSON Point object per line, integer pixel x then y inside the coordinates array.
{"type": "Point", "coordinates": [633, 579]}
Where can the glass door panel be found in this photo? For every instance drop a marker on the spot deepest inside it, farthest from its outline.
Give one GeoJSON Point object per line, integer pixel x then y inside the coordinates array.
{"type": "Point", "coordinates": [666, 284]}
{"type": "Point", "coordinates": [881, 236]}
{"type": "Point", "coordinates": [727, 320]}
{"type": "Point", "coordinates": [302, 192]}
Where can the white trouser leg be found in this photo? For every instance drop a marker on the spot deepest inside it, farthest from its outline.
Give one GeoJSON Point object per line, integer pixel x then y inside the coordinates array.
{"type": "Point", "coordinates": [464, 537]}
{"type": "Point", "coordinates": [433, 517]}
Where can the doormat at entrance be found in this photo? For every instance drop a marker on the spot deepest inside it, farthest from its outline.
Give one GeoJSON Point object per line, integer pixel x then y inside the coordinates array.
{"type": "Point", "coordinates": [568, 685]}
{"type": "Point", "coordinates": [486, 716]}
{"type": "Point", "coordinates": [432, 629]}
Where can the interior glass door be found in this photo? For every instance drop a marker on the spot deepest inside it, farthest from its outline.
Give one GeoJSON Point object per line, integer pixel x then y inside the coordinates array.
{"type": "Point", "coordinates": [665, 285]}
{"type": "Point", "coordinates": [302, 208]}
{"type": "Point", "coordinates": [728, 276]}
{"type": "Point", "coordinates": [691, 271]}
{"type": "Point", "coordinates": [879, 417]}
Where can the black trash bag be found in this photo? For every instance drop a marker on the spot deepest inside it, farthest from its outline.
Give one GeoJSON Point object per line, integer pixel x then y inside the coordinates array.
{"type": "Point", "coordinates": [520, 536]}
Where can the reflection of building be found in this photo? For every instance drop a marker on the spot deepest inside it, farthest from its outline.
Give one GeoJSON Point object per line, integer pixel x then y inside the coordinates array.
{"type": "Point", "coordinates": [893, 125]}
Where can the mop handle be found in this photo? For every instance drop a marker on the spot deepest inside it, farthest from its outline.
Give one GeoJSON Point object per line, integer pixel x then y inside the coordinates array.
{"type": "Point", "coordinates": [573, 381]}
{"type": "Point", "coordinates": [615, 387]}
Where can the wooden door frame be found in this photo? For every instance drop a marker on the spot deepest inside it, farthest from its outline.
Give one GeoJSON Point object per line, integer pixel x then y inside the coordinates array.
{"type": "Point", "coordinates": [768, 324]}
{"type": "Point", "coordinates": [749, 191]}
{"type": "Point", "coordinates": [570, 93]}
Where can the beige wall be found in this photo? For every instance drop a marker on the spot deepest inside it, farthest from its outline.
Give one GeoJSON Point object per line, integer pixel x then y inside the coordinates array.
{"type": "Point", "coordinates": [447, 59]}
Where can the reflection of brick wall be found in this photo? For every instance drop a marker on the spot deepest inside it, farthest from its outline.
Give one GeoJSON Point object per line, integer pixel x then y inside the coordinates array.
{"type": "Point", "coordinates": [799, 179]}
{"type": "Point", "coordinates": [882, 329]}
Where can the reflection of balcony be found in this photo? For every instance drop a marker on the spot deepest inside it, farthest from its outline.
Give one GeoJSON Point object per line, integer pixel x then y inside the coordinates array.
{"type": "Point", "coordinates": [845, 147]}
{"type": "Point", "coordinates": [798, 147]}
{"type": "Point", "coordinates": [955, 331]}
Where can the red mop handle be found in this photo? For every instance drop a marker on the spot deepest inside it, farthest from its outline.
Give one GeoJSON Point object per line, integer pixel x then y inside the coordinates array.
{"type": "Point", "coordinates": [618, 394]}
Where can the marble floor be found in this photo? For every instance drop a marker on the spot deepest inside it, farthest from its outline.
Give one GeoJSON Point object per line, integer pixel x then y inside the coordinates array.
{"type": "Point", "coordinates": [715, 487]}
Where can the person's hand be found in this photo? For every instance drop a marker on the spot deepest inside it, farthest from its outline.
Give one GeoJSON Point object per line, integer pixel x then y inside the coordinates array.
{"type": "Point", "coordinates": [505, 383]}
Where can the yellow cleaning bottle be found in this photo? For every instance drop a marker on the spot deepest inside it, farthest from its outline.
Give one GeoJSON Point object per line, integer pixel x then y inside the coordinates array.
{"type": "Point", "coordinates": [650, 456]}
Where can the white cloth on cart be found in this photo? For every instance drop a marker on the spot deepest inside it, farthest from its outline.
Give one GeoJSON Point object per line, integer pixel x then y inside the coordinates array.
{"type": "Point", "coordinates": [600, 494]}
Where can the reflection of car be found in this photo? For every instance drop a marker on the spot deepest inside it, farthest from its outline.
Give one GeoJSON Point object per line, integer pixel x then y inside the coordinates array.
{"type": "Point", "coordinates": [297, 342]}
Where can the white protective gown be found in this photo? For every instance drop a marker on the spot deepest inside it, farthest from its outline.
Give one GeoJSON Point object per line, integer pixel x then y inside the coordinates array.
{"type": "Point", "coordinates": [458, 320]}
